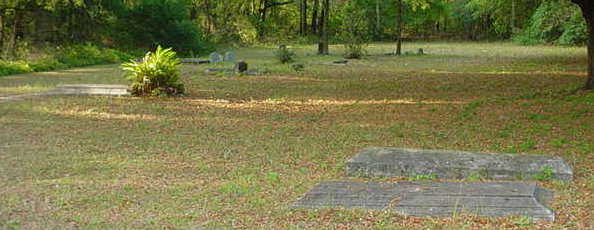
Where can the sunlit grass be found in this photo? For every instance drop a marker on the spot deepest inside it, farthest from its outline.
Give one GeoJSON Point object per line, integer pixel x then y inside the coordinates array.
{"type": "Point", "coordinates": [238, 150]}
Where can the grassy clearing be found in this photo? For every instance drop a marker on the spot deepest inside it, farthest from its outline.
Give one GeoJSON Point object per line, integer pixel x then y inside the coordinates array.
{"type": "Point", "coordinates": [239, 149]}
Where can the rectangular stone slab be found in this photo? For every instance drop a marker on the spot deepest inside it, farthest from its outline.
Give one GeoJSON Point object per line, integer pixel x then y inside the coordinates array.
{"type": "Point", "coordinates": [434, 199]}
{"type": "Point", "coordinates": [90, 89]}
{"type": "Point", "coordinates": [400, 162]}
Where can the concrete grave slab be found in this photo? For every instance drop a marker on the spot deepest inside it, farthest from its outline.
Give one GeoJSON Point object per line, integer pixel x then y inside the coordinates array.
{"type": "Point", "coordinates": [434, 199]}
{"type": "Point", "coordinates": [400, 162]}
{"type": "Point", "coordinates": [90, 89]}
{"type": "Point", "coordinates": [219, 70]}
{"type": "Point", "coordinates": [194, 61]}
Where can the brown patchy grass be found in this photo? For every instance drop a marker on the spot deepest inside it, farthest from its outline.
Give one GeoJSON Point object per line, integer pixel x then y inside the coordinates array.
{"type": "Point", "coordinates": [239, 149]}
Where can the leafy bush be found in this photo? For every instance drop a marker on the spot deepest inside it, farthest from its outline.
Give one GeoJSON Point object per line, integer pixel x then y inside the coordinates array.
{"type": "Point", "coordinates": [156, 74]}
{"type": "Point", "coordinates": [555, 22]}
{"type": "Point", "coordinates": [84, 55]}
{"type": "Point", "coordinates": [65, 57]}
{"type": "Point", "coordinates": [46, 65]}
{"type": "Point", "coordinates": [157, 22]}
{"type": "Point", "coordinates": [9, 67]}
{"type": "Point", "coordinates": [284, 55]}
{"type": "Point", "coordinates": [355, 29]}
{"type": "Point", "coordinates": [575, 33]}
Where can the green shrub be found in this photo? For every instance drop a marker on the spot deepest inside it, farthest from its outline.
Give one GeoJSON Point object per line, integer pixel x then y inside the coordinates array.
{"type": "Point", "coordinates": [157, 22]}
{"type": "Point", "coordinates": [46, 65]}
{"type": "Point", "coordinates": [9, 67]}
{"type": "Point", "coordinates": [284, 55]}
{"type": "Point", "coordinates": [574, 33]}
{"type": "Point", "coordinates": [156, 74]}
{"type": "Point", "coordinates": [555, 22]}
{"type": "Point", "coordinates": [84, 55]}
{"type": "Point", "coordinates": [354, 29]}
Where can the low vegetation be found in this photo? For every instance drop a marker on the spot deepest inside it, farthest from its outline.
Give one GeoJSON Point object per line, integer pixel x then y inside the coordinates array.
{"type": "Point", "coordinates": [237, 150]}
{"type": "Point", "coordinates": [64, 57]}
{"type": "Point", "coordinates": [156, 74]}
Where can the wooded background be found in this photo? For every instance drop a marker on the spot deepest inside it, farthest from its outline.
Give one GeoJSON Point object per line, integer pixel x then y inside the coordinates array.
{"type": "Point", "coordinates": [191, 25]}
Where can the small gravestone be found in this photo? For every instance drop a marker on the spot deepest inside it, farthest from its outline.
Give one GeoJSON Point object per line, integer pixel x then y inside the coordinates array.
{"type": "Point", "coordinates": [215, 57]}
{"type": "Point", "coordinates": [297, 66]}
{"type": "Point", "coordinates": [420, 51]}
{"type": "Point", "coordinates": [229, 57]}
{"type": "Point", "coordinates": [241, 67]}
{"type": "Point", "coordinates": [397, 162]}
{"type": "Point", "coordinates": [435, 199]}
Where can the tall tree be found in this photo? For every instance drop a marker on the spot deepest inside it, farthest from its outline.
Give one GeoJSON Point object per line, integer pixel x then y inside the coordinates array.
{"type": "Point", "coordinates": [587, 7]}
{"type": "Point", "coordinates": [399, 26]}
{"type": "Point", "coordinates": [314, 17]}
{"type": "Point", "coordinates": [323, 35]}
{"type": "Point", "coordinates": [303, 17]}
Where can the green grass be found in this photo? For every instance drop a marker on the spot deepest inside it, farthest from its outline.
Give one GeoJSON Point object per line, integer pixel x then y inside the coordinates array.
{"type": "Point", "coordinates": [238, 150]}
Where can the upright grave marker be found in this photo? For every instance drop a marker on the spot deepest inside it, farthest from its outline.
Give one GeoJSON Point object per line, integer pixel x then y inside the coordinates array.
{"type": "Point", "coordinates": [215, 57]}
{"type": "Point", "coordinates": [230, 57]}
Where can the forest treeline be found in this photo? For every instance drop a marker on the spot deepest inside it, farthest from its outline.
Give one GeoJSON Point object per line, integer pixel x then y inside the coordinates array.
{"type": "Point", "coordinates": [191, 26]}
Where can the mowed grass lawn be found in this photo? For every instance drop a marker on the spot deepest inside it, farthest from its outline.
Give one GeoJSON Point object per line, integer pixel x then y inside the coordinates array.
{"type": "Point", "coordinates": [237, 150]}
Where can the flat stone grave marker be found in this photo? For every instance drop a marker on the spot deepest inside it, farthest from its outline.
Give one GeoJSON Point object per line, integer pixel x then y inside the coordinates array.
{"type": "Point", "coordinates": [256, 71]}
{"type": "Point", "coordinates": [401, 162]}
{"type": "Point", "coordinates": [229, 57]}
{"type": "Point", "coordinates": [90, 89]}
{"type": "Point", "coordinates": [297, 66]}
{"type": "Point", "coordinates": [434, 199]}
{"type": "Point", "coordinates": [194, 61]}
{"type": "Point", "coordinates": [220, 70]}
{"type": "Point", "coordinates": [215, 57]}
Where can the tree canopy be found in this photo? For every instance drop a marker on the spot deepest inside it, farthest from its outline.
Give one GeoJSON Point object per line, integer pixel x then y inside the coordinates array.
{"type": "Point", "coordinates": [189, 26]}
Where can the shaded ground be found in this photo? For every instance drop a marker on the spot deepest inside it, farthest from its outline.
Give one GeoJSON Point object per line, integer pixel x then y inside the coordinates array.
{"type": "Point", "coordinates": [239, 149]}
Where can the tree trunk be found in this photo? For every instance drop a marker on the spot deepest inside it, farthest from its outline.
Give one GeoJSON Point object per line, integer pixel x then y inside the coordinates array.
{"type": "Point", "coordinates": [399, 17]}
{"type": "Point", "coordinates": [314, 17]}
{"type": "Point", "coordinates": [193, 12]}
{"type": "Point", "coordinates": [209, 17]}
{"type": "Point", "coordinates": [1, 33]}
{"type": "Point", "coordinates": [377, 19]}
{"type": "Point", "coordinates": [587, 7]}
{"type": "Point", "coordinates": [263, 11]}
{"type": "Point", "coordinates": [590, 80]}
{"type": "Point", "coordinates": [303, 18]}
{"type": "Point", "coordinates": [323, 44]}
{"type": "Point", "coordinates": [444, 28]}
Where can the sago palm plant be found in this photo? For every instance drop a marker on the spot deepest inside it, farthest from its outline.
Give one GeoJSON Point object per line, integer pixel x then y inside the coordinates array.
{"type": "Point", "coordinates": [155, 74]}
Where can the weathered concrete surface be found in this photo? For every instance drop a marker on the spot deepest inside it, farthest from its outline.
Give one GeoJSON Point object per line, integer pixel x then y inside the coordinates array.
{"type": "Point", "coordinates": [395, 162]}
{"type": "Point", "coordinates": [194, 61]}
{"type": "Point", "coordinates": [79, 89]}
{"type": "Point", "coordinates": [434, 199]}
{"type": "Point", "coordinates": [90, 89]}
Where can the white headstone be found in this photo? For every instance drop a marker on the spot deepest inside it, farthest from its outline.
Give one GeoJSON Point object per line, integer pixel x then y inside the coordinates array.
{"type": "Point", "coordinates": [229, 57]}
{"type": "Point", "coordinates": [215, 57]}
